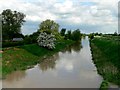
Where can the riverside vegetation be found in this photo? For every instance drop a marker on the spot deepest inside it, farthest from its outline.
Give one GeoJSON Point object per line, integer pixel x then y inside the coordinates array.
{"type": "Point", "coordinates": [26, 56]}
{"type": "Point", "coordinates": [41, 44]}
{"type": "Point", "coordinates": [105, 53]}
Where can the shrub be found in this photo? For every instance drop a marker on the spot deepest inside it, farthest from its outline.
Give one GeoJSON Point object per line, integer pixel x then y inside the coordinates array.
{"type": "Point", "coordinates": [58, 37]}
{"type": "Point", "coordinates": [76, 35]}
{"type": "Point", "coordinates": [68, 35]}
{"type": "Point", "coordinates": [91, 36]}
{"type": "Point", "coordinates": [46, 40]}
{"type": "Point", "coordinates": [12, 44]}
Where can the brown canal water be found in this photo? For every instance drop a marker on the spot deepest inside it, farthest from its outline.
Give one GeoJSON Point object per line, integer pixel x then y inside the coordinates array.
{"type": "Point", "coordinates": [70, 68]}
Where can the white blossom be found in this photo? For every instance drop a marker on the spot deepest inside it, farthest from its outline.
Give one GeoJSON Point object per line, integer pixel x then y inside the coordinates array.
{"type": "Point", "coordinates": [46, 40]}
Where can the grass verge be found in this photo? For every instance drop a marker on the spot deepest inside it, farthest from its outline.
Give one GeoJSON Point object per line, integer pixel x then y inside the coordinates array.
{"type": "Point", "coordinates": [105, 53]}
{"type": "Point", "coordinates": [24, 57]}
{"type": "Point", "coordinates": [104, 85]}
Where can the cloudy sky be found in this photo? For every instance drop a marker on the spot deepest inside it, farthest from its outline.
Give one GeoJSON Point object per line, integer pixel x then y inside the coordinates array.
{"type": "Point", "coordinates": [87, 15]}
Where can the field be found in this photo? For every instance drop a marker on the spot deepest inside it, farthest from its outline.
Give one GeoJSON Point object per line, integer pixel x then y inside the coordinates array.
{"type": "Point", "coordinates": [106, 56]}
{"type": "Point", "coordinates": [23, 57]}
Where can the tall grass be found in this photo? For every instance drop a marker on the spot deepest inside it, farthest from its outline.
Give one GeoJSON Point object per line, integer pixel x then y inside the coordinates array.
{"type": "Point", "coordinates": [106, 56]}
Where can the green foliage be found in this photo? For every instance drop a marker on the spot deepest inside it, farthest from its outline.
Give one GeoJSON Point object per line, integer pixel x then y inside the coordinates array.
{"type": "Point", "coordinates": [11, 23]}
{"type": "Point", "coordinates": [68, 35]}
{"type": "Point", "coordinates": [27, 39]}
{"type": "Point", "coordinates": [76, 35]}
{"type": "Point", "coordinates": [48, 25]}
{"type": "Point", "coordinates": [58, 37]}
{"type": "Point", "coordinates": [115, 34]}
{"type": "Point", "coordinates": [47, 31]}
{"type": "Point", "coordinates": [23, 57]}
{"type": "Point", "coordinates": [62, 32]}
{"type": "Point", "coordinates": [12, 44]}
{"type": "Point", "coordinates": [91, 36]}
{"type": "Point", "coordinates": [104, 85]}
{"type": "Point", "coordinates": [106, 52]}
{"type": "Point", "coordinates": [34, 37]}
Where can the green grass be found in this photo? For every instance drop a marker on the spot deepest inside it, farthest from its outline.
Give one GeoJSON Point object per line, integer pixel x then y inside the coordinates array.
{"type": "Point", "coordinates": [104, 85]}
{"type": "Point", "coordinates": [0, 52]}
{"type": "Point", "coordinates": [23, 57]}
{"type": "Point", "coordinates": [0, 68]}
{"type": "Point", "coordinates": [105, 53]}
{"type": "Point", "coordinates": [0, 55]}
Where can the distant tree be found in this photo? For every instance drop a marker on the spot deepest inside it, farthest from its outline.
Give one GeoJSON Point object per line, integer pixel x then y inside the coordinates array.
{"type": "Point", "coordinates": [0, 29]}
{"type": "Point", "coordinates": [69, 34]}
{"type": "Point", "coordinates": [76, 35]}
{"type": "Point", "coordinates": [62, 32]}
{"type": "Point", "coordinates": [91, 36]}
{"type": "Point", "coordinates": [18, 35]}
{"type": "Point", "coordinates": [96, 34]}
{"type": "Point", "coordinates": [49, 25]}
{"type": "Point", "coordinates": [11, 23]}
{"type": "Point", "coordinates": [34, 37]}
{"type": "Point", "coordinates": [115, 34]}
{"type": "Point", "coordinates": [100, 34]}
{"type": "Point", "coordinates": [27, 39]}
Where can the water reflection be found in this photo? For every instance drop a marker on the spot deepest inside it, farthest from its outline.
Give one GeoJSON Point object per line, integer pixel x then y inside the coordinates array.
{"type": "Point", "coordinates": [49, 62]}
{"type": "Point", "coordinates": [74, 47]}
{"type": "Point", "coordinates": [16, 76]}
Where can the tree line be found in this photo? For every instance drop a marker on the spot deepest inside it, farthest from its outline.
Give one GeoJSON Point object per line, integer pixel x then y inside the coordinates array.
{"type": "Point", "coordinates": [12, 22]}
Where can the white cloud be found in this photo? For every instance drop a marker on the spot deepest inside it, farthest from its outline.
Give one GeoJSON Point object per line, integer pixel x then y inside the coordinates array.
{"type": "Point", "coordinates": [68, 12]}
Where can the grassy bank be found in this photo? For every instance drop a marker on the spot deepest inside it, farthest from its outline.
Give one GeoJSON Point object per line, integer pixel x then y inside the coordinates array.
{"type": "Point", "coordinates": [105, 53]}
{"type": "Point", "coordinates": [23, 57]}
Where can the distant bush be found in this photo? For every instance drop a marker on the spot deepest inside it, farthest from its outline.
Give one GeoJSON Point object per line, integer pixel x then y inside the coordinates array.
{"type": "Point", "coordinates": [27, 40]}
{"type": "Point", "coordinates": [32, 38]}
{"type": "Point", "coordinates": [68, 35]}
{"type": "Point", "coordinates": [46, 40]}
{"type": "Point", "coordinates": [91, 36]}
{"type": "Point", "coordinates": [115, 34]}
{"type": "Point", "coordinates": [11, 44]}
{"type": "Point", "coordinates": [62, 32]}
{"type": "Point", "coordinates": [76, 35]}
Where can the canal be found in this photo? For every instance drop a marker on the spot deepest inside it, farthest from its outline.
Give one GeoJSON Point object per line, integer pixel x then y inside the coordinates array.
{"type": "Point", "coordinates": [69, 68]}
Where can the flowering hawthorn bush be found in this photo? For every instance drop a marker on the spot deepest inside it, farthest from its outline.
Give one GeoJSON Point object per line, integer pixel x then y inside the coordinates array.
{"type": "Point", "coordinates": [46, 40]}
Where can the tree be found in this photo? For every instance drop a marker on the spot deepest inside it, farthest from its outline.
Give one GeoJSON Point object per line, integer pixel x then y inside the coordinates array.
{"type": "Point", "coordinates": [62, 32]}
{"type": "Point", "coordinates": [11, 23]}
{"type": "Point", "coordinates": [69, 34]}
{"type": "Point", "coordinates": [96, 34]}
{"type": "Point", "coordinates": [49, 25]}
{"type": "Point", "coordinates": [91, 36]}
{"type": "Point", "coordinates": [34, 37]}
{"type": "Point", "coordinates": [76, 35]}
{"type": "Point", "coordinates": [0, 29]}
{"type": "Point", "coordinates": [115, 34]}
